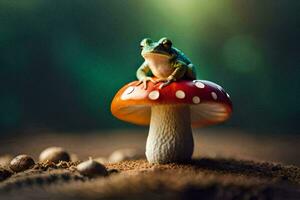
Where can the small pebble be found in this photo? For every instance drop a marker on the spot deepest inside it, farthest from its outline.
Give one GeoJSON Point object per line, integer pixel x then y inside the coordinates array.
{"type": "Point", "coordinates": [54, 154]}
{"type": "Point", "coordinates": [21, 163]}
{"type": "Point", "coordinates": [91, 168]}
{"type": "Point", "coordinates": [124, 154]}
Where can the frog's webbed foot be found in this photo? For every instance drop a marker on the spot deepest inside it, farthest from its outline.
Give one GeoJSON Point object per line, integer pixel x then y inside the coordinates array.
{"type": "Point", "coordinates": [144, 82]}
{"type": "Point", "coordinates": [165, 84]}
{"type": "Point", "coordinates": [166, 81]}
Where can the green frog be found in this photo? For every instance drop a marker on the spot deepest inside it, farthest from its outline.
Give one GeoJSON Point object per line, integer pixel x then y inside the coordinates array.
{"type": "Point", "coordinates": [164, 62]}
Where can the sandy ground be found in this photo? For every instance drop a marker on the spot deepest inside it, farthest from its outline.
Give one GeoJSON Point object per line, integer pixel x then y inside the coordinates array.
{"type": "Point", "coordinates": [208, 143]}
{"type": "Point", "coordinates": [227, 164]}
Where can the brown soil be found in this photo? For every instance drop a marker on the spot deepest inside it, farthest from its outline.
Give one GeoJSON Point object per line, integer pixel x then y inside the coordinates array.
{"type": "Point", "coordinates": [206, 177]}
{"type": "Point", "coordinates": [227, 175]}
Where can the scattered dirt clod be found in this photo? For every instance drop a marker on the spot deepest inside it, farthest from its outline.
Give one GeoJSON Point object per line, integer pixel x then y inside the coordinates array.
{"type": "Point", "coordinates": [124, 154]}
{"type": "Point", "coordinates": [21, 163]}
{"type": "Point", "coordinates": [54, 154]}
{"type": "Point", "coordinates": [91, 168]}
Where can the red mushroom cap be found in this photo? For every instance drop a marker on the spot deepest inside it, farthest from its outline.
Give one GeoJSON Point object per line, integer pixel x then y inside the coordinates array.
{"type": "Point", "coordinates": [209, 103]}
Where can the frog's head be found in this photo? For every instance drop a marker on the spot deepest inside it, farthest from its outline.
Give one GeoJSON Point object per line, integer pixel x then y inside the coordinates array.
{"type": "Point", "coordinates": [152, 49]}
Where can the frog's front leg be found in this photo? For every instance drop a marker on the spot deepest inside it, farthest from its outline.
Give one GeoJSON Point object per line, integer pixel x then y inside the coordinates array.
{"type": "Point", "coordinates": [141, 74]}
{"type": "Point", "coordinates": [178, 73]}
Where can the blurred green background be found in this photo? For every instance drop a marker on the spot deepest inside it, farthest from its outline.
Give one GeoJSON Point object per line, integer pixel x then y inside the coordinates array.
{"type": "Point", "coordinates": [61, 62]}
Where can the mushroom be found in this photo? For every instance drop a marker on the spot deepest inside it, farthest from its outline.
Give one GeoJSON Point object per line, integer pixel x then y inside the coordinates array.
{"type": "Point", "coordinates": [171, 112]}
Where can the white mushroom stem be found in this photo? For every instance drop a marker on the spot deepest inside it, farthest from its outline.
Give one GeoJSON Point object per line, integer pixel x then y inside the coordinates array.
{"type": "Point", "coordinates": [170, 136]}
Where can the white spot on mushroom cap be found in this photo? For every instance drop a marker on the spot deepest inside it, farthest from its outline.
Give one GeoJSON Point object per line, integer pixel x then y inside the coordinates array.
{"type": "Point", "coordinates": [180, 94]}
{"type": "Point", "coordinates": [199, 84]}
{"type": "Point", "coordinates": [153, 95]}
{"type": "Point", "coordinates": [128, 91]}
{"type": "Point", "coordinates": [214, 95]}
{"type": "Point", "coordinates": [196, 100]}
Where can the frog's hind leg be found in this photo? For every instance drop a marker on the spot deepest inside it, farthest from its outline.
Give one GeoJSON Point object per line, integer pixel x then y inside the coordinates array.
{"type": "Point", "coordinates": [190, 72]}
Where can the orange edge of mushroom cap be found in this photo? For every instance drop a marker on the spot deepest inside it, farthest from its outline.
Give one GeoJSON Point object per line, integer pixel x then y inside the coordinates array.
{"type": "Point", "coordinates": [209, 103]}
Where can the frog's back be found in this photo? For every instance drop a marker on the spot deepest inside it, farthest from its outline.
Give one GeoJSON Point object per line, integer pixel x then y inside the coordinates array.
{"type": "Point", "coordinates": [181, 56]}
{"type": "Point", "coordinates": [191, 73]}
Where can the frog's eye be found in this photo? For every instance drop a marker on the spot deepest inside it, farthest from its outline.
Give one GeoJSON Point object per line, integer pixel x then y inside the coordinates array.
{"type": "Point", "coordinates": [145, 42]}
{"type": "Point", "coordinates": [166, 43]}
